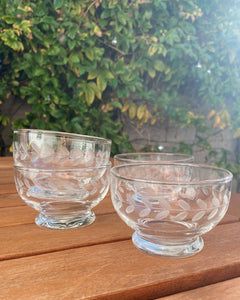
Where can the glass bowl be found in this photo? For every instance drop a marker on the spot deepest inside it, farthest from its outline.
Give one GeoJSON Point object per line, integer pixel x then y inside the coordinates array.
{"type": "Point", "coordinates": [62, 175]}
{"type": "Point", "coordinates": [129, 158]}
{"type": "Point", "coordinates": [64, 197]}
{"type": "Point", "coordinates": [170, 205]}
{"type": "Point", "coordinates": [51, 149]}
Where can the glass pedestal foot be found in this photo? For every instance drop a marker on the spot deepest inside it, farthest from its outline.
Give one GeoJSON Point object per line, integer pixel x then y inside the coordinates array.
{"type": "Point", "coordinates": [53, 223]}
{"type": "Point", "coordinates": [168, 250]}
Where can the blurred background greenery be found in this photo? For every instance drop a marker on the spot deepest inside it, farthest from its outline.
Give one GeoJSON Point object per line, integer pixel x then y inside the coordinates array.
{"type": "Point", "coordinates": [91, 67]}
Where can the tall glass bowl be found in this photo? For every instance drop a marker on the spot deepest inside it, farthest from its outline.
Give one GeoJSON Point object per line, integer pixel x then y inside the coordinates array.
{"type": "Point", "coordinates": [170, 206]}
{"type": "Point", "coordinates": [129, 158]}
{"type": "Point", "coordinates": [61, 175]}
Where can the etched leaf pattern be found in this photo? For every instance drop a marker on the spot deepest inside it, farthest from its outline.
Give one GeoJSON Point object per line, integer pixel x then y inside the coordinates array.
{"type": "Point", "coordinates": [162, 214]}
{"type": "Point", "coordinates": [62, 152]}
{"type": "Point", "coordinates": [184, 205]}
{"type": "Point", "coordinates": [57, 186]}
{"type": "Point", "coordinates": [192, 204]}
{"type": "Point", "coordinates": [201, 204]}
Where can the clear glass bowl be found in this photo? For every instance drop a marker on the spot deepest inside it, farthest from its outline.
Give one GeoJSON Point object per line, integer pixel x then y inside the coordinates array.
{"type": "Point", "coordinates": [130, 158]}
{"type": "Point", "coordinates": [50, 149]}
{"type": "Point", "coordinates": [64, 197]}
{"type": "Point", "coordinates": [62, 175]}
{"type": "Point", "coordinates": [170, 205]}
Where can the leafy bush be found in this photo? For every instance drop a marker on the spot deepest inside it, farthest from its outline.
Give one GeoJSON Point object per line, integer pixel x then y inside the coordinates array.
{"type": "Point", "coordinates": [85, 65]}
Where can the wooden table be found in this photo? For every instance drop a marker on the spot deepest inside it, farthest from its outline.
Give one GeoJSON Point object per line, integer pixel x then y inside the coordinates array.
{"type": "Point", "coordinates": [100, 261]}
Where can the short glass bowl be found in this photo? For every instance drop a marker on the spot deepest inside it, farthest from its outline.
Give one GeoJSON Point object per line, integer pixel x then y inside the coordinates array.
{"type": "Point", "coordinates": [170, 205]}
{"type": "Point", "coordinates": [64, 197]}
{"type": "Point", "coordinates": [130, 158]}
{"type": "Point", "coordinates": [61, 175]}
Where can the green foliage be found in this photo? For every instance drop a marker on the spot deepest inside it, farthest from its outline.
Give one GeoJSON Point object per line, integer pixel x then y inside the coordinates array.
{"type": "Point", "coordinates": [83, 65]}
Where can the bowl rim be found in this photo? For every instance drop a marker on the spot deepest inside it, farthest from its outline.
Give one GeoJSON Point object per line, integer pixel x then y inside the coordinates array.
{"type": "Point", "coordinates": [123, 157]}
{"type": "Point", "coordinates": [224, 179]}
{"type": "Point", "coordinates": [95, 139]}
{"type": "Point", "coordinates": [61, 170]}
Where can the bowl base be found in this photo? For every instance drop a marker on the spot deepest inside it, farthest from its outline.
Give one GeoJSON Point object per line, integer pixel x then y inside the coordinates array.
{"type": "Point", "coordinates": [174, 251]}
{"type": "Point", "coordinates": [52, 223]}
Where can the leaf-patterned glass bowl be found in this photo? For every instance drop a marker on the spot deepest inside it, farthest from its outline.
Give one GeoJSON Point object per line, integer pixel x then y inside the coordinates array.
{"type": "Point", "coordinates": [50, 149]}
{"type": "Point", "coordinates": [170, 205]}
{"type": "Point", "coordinates": [64, 197]}
{"type": "Point", "coordinates": [130, 158]}
{"type": "Point", "coordinates": [61, 175]}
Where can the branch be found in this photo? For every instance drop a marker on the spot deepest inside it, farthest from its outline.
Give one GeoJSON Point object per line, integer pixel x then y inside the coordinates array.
{"type": "Point", "coordinates": [114, 48]}
{"type": "Point", "coordinates": [94, 2]}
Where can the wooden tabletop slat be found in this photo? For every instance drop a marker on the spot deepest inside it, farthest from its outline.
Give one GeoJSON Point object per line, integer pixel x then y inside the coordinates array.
{"type": "Point", "coordinates": [6, 162]}
{"type": "Point", "coordinates": [9, 188]}
{"type": "Point", "coordinates": [100, 261]}
{"type": "Point", "coordinates": [11, 200]}
{"type": "Point", "coordinates": [6, 176]}
{"type": "Point", "coordinates": [23, 226]}
{"type": "Point", "coordinates": [226, 290]}
{"type": "Point", "coordinates": [32, 240]}
{"type": "Point", "coordinates": [17, 215]}
{"type": "Point", "coordinates": [22, 214]}
{"type": "Point", "coordinates": [120, 271]}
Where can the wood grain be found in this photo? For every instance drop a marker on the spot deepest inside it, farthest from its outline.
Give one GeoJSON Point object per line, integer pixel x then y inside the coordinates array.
{"type": "Point", "coordinates": [9, 188]}
{"type": "Point", "coordinates": [17, 215]}
{"type": "Point", "coordinates": [11, 200]}
{"type": "Point", "coordinates": [6, 176]}
{"type": "Point", "coordinates": [6, 162]}
{"type": "Point", "coordinates": [32, 240]}
{"type": "Point", "coordinates": [227, 290]}
{"type": "Point", "coordinates": [100, 262]}
{"type": "Point", "coordinates": [120, 271]}
{"type": "Point", "coordinates": [22, 214]}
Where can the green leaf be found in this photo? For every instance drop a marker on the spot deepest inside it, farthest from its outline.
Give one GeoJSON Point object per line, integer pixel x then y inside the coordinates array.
{"type": "Point", "coordinates": [10, 19]}
{"type": "Point", "coordinates": [71, 44]}
{"type": "Point", "coordinates": [101, 83]}
{"type": "Point", "coordinates": [117, 139]}
{"type": "Point", "coordinates": [97, 92]}
{"type": "Point", "coordinates": [38, 72]}
{"type": "Point", "coordinates": [4, 120]}
{"type": "Point", "coordinates": [73, 31]}
{"type": "Point", "coordinates": [89, 95]}
{"type": "Point", "coordinates": [107, 74]}
{"type": "Point", "coordinates": [152, 50]}
{"type": "Point", "coordinates": [74, 59]}
{"type": "Point", "coordinates": [151, 73]}
{"type": "Point", "coordinates": [56, 113]}
{"type": "Point", "coordinates": [58, 3]}
{"type": "Point", "coordinates": [50, 20]}
{"type": "Point", "coordinates": [38, 34]}
{"type": "Point", "coordinates": [92, 75]}
{"type": "Point", "coordinates": [90, 53]}
{"type": "Point", "coordinates": [122, 18]}
{"type": "Point", "coordinates": [105, 14]}
{"type": "Point", "coordinates": [159, 66]}
{"type": "Point", "coordinates": [116, 104]}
